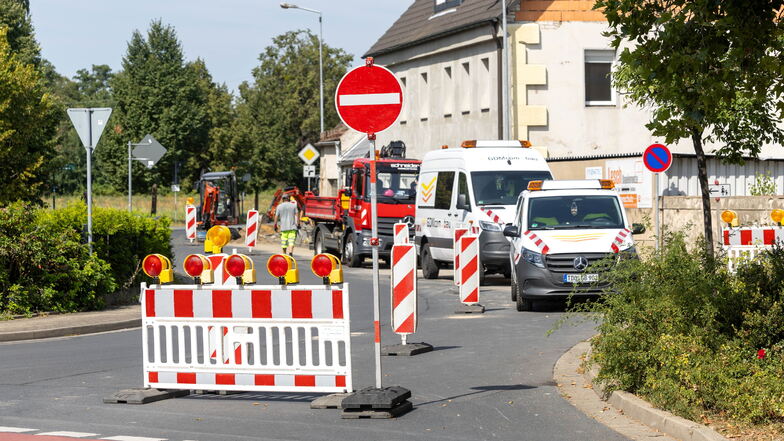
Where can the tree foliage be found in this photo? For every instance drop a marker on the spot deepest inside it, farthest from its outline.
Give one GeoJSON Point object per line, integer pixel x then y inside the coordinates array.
{"type": "Point", "coordinates": [709, 70]}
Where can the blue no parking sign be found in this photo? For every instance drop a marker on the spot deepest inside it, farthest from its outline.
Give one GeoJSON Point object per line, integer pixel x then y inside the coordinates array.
{"type": "Point", "coordinates": [657, 158]}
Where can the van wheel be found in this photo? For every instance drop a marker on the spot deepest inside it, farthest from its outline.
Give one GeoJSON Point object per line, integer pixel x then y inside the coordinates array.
{"type": "Point", "coordinates": [429, 266]}
{"type": "Point", "coordinates": [523, 304]}
{"type": "Point", "coordinates": [514, 290]}
{"type": "Point", "coordinates": [350, 256]}
{"type": "Point", "coordinates": [318, 244]}
{"type": "Point", "coordinates": [482, 272]}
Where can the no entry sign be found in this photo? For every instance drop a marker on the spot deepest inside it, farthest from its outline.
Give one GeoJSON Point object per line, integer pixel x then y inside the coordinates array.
{"type": "Point", "coordinates": [369, 98]}
{"type": "Point", "coordinates": [657, 158]}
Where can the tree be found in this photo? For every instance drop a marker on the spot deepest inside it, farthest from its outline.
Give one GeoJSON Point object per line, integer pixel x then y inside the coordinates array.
{"type": "Point", "coordinates": [710, 70]}
{"type": "Point", "coordinates": [279, 112]}
{"type": "Point", "coordinates": [156, 93]}
{"type": "Point", "coordinates": [28, 120]}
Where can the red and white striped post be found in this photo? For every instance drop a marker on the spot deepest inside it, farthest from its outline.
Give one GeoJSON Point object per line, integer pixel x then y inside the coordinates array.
{"type": "Point", "coordinates": [190, 222]}
{"type": "Point", "coordinates": [400, 233]}
{"type": "Point", "coordinates": [221, 277]}
{"type": "Point", "coordinates": [404, 290]}
{"type": "Point", "coordinates": [251, 229]}
{"type": "Point", "coordinates": [456, 235]}
{"type": "Point", "coordinates": [469, 274]}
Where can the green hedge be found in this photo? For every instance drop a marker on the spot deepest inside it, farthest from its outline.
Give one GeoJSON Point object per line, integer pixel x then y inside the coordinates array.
{"type": "Point", "coordinates": [689, 336]}
{"type": "Point", "coordinates": [45, 264]}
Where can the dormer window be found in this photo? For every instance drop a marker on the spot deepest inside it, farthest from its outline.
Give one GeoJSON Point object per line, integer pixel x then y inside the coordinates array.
{"type": "Point", "coordinates": [443, 5]}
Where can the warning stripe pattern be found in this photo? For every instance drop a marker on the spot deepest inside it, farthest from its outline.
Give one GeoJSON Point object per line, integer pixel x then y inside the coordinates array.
{"type": "Point", "coordinates": [752, 236]}
{"type": "Point", "coordinates": [619, 240]}
{"type": "Point", "coordinates": [401, 233]}
{"type": "Point", "coordinates": [469, 270]}
{"type": "Point", "coordinates": [241, 379]}
{"type": "Point", "coordinates": [456, 235]}
{"type": "Point", "coordinates": [190, 221]}
{"type": "Point", "coordinates": [404, 299]}
{"type": "Point", "coordinates": [251, 228]}
{"type": "Point", "coordinates": [539, 243]}
{"type": "Point", "coordinates": [220, 274]}
{"type": "Point", "coordinates": [494, 217]}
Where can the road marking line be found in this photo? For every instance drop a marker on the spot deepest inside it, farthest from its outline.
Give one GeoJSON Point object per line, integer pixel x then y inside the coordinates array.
{"type": "Point", "coordinates": [15, 429]}
{"type": "Point", "coordinates": [369, 99]}
{"type": "Point", "coordinates": [132, 438]}
{"type": "Point", "coordinates": [68, 434]}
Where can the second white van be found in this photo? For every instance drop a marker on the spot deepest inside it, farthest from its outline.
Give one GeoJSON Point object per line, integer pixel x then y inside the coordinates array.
{"type": "Point", "coordinates": [474, 185]}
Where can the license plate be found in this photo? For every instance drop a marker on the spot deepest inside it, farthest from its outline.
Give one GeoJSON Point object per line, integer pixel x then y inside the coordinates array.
{"type": "Point", "coordinates": [580, 278]}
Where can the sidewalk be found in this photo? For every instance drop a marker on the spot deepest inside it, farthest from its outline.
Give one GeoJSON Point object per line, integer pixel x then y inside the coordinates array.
{"type": "Point", "coordinates": [61, 325]}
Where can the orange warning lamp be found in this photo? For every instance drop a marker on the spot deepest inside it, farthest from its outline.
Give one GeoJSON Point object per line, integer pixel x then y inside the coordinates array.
{"type": "Point", "coordinates": [535, 185]}
{"type": "Point", "coordinates": [730, 217]}
{"type": "Point", "coordinates": [158, 266]}
{"type": "Point", "coordinates": [189, 201]}
{"type": "Point", "coordinates": [217, 237]}
{"type": "Point", "coordinates": [525, 143]}
{"type": "Point", "coordinates": [777, 215]}
{"type": "Point", "coordinates": [241, 267]}
{"type": "Point", "coordinates": [198, 267]}
{"type": "Point", "coordinates": [606, 184]}
{"type": "Point", "coordinates": [327, 267]}
{"type": "Point", "coordinates": [284, 268]}
{"type": "Point", "coordinates": [468, 144]}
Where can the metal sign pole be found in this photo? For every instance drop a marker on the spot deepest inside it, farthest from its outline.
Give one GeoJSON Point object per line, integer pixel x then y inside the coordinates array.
{"type": "Point", "coordinates": [130, 202]}
{"type": "Point", "coordinates": [374, 246]}
{"type": "Point", "coordinates": [89, 180]}
{"type": "Point", "coordinates": [656, 211]}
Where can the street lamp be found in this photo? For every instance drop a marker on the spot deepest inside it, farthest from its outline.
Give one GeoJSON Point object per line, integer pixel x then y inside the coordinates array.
{"type": "Point", "coordinates": [321, 69]}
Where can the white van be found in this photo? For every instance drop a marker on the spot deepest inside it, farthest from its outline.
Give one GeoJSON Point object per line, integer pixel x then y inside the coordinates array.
{"type": "Point", "coordinates": [475, 184]}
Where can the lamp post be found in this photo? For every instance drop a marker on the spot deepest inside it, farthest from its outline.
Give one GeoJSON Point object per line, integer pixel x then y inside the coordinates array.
{"type": "Point", "coordinates": [321, 67]}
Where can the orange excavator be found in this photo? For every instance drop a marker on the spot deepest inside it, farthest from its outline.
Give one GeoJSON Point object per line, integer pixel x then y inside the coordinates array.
{"type": "Point", "coordinates": [282, 195]}
{"type": "Point", "coordinates": [218, 202]}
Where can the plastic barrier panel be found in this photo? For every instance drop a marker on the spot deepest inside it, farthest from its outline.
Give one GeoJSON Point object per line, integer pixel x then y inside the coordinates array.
{"type": "Point", "coordinates": [251, 229]}
{"type": "Point", "coordinates": [190, 222]}
{"type": "Point", "coordinates": [469, 269]}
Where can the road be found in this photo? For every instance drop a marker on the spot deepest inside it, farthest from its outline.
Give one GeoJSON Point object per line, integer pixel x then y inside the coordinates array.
{"type": "Point", "coordinates": [490, 377]}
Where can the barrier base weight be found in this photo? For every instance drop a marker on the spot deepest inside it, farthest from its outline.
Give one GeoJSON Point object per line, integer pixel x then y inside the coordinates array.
{"type": "Point", "coordinates": [470, 309]}
{"type": "Point", "coordinates": [331, 401]}
{"type": "Point", "coordinates": [388, 402]}
{"type": "Point", "coordinates": [406, 349]}
{"type": "Point", "coordinates": [143, 396]}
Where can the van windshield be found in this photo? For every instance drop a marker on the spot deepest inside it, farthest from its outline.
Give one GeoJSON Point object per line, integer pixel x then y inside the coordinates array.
{"type": "Point", "coordinates": [573, 212]}
{"type": "Point", "coordinates": [503, 187]}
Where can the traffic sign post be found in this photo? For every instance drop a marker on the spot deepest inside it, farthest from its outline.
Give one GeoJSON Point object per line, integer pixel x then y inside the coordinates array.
{"type": "Point", "coordinates": [149, 151]}
{"type": "Point", "coordinates": [89, 124]}
{"type": "Point", "coordinates": [308, 155]}
{"type": "Point", "coordinates": [369, 99]}
{"type": "Point", "coordinates": [657, 159]}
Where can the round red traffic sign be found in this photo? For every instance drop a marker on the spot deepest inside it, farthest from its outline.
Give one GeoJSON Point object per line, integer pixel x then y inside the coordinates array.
{"type": "Point", "coordinates": [369, 98]}
{"type": "Point", "coordinates": [657, 158]}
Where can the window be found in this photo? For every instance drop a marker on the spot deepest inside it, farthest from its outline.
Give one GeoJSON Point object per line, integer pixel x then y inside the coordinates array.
{"type": "Point", "coordinates": [598, 78]}
{"type": "Point", "coordinates": [448, 92]}
{"type": "Point", "coordinates": [403, 111]}
{"type": "Point", "coordinates": [462, 191]}
{"type": "Point", "coordinates": [574, 212]}
{"type": "Point", "coordinates": [424, 98]}
{"type": "Point", "coordinates": [442, 5]}
{"type": "Point", "coordinates": [484, 84]}
{"type": "Point", "coordinates": [465, 88]}
{"type": "Point", "coordinates": [446, 181]}
{"type": "Point", "coordinates": [503, 187]}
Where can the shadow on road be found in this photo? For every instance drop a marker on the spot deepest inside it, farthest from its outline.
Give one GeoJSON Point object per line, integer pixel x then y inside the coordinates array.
{"type": "Point", "coordinates": [482, 389]}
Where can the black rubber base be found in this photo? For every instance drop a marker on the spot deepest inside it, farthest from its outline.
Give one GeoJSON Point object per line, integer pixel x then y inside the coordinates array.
{"type": "Point", "coordinates": [331, 401]}
{"type": "Point", "coordinates": [470, 309]}
{"type": "Point", "coordinates": [143, 396]}
{"type": "Point", "coordinates": [388, 402]}
{"type": "Point", "coordinates": [408, 349]}
{"type": "Point", "coordinates": [395, 412]}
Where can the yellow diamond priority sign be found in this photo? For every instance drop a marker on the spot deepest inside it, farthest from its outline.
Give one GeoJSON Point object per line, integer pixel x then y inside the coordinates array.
{"type": "Point", "coordinates": [309, 154]}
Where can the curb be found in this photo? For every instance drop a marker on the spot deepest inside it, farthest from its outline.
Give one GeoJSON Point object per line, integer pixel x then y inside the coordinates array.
{"type": "Point", "coordinates": [642, 411]}
{"type": "Point", "coordinates": [70, 330]}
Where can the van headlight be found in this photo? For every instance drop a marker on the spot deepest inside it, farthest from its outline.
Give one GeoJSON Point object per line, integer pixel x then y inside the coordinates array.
{"type": "Point", "coordinates": [489, 226]}
{"type": "Point", "coordinates": [533, 257]}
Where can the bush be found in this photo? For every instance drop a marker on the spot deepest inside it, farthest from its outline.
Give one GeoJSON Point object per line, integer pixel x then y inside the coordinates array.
{"type": "Point", "coordinates": [682, 331]}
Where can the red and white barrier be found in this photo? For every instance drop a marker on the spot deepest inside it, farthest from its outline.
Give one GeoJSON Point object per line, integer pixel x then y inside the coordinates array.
{"type": "Point", "coordinates": [251, 229]}
{"type": "Point", "coordinates": [469, 270]}
{"type": "Point", "coordinates": [752, 236]}
{"type": "Point", "coordinates": [401, 233]}
{"type": "Point", "coordinates": [271, 339]}
{"type": "Point", "coordinates": [404, 290]}
{"type": "Point", "coordinates": [456, 235]}
{"type": "Point", "coordinates": [221, 277]}
{"type": "Point", "coordinates": [190, 222]}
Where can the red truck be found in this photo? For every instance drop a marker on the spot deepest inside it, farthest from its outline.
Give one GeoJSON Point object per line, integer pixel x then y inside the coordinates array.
{"type": "Point", "coordinates": [343, 223]}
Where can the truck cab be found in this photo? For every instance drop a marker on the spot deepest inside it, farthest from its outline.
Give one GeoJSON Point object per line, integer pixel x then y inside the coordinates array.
{"type": "Point", "coordinates": [561, 233]}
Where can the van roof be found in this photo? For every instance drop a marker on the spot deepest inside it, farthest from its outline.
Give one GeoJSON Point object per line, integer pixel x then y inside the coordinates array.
{"type": "Point", "coordinates": [486, 158]}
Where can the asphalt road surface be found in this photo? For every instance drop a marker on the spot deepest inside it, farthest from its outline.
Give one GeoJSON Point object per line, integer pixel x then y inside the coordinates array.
{"type": "Point", "coordinates": [490, 377]}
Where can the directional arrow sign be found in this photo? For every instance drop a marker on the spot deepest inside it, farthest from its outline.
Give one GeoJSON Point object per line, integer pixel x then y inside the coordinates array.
{"type": "Point", "coordinates": [89, 124]}
{"type": "Point", "coordinates": [149, 150]}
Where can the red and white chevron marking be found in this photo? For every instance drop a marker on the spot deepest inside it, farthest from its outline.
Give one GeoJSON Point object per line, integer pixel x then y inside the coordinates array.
{"type": "Point", "coordinates": [404, 289]}
{"type": "Point", "coordinates": [539, 243]}
{"type": "Point", "coordinates": [190, 222]}
{"type": "Point", "coordinates": [251, 229]}
{"type": "Point", "coordinates": [494, 217]}
{"type": "Point", "coordinates": [765, 236]}
{"type": "Point", "coordinates": [456, 235]}
{"type": "Point", "coordinates": [619, 239]}
{"type": "Point", "coordinates": [220, 275]}
{"type": "Point", "coordinates": [400, 233]}
{"type": "Point", "coordinates": [469, 269]}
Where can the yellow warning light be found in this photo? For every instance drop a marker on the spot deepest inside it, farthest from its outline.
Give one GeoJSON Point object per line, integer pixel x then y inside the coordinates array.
{"type": "Point", "coordinates": [217, 237]}
{"type": "Point", "coordinates": [777, 215]}
{"type": "Point", "coordinates": [283, 267]}
{"type": "Point", "coordinates": [468, 144]}
{"type": "Point", "coordinates": [158, 266]}
{"type": "Point", "coordinates": [525, 143]}
{"type": "Point", "coordinates": [607, 184]}
{"type": "Point", "coordinates": [189, 201]}
{"type": "Point", "coordinates": [241, 267]}
{"type": "Point", "coordinates": [198, 267]}
{"type": "Point", "coordinates": [327, 267]}
{"type": "Point", "coordinates": [535, 185]}
{"type": "Point", "coordinates": [730, 217]}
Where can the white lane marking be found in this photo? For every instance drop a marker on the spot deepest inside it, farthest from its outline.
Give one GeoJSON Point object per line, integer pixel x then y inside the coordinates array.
{"type": "Point", "coordinates": [369, 99]}
{"type": "Point", "coordinates": [132, 438]}
{"type": "Point", "coordinates": [15, 429]}
{"type": "Point", "coordinates": [69, 434]}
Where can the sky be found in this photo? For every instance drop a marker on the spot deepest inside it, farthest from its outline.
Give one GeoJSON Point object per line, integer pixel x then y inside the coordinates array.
{"type": "Point", "coordinates": [227, 34]}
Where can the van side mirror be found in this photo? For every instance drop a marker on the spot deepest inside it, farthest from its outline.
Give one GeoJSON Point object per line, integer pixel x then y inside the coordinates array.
{"type": "Point", "coordinates": [638, 228]}
{"type": "Point", "coordinates": [511, 231]}
{"type": "Point", "coordinates": [461, 202]}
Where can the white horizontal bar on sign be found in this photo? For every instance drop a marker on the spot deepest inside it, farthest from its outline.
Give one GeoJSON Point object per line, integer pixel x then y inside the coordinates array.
{"type": "Point", "coordinates": [369, 99]}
